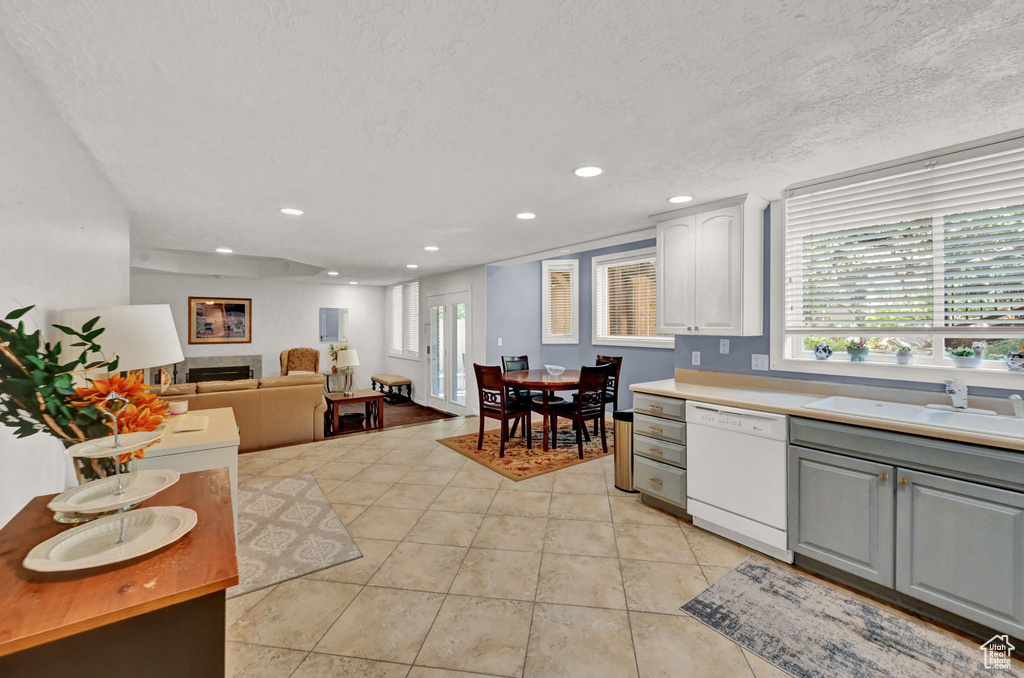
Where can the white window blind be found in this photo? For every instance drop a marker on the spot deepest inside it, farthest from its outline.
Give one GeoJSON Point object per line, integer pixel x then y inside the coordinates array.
{"type": "Point", "coordinates": [938, 248]}
{"type": "Point", "coordinates": [404, 336]}
{"type": "Point", "coordinates": [625, 300]}
{"type": "Point", "coordinates": [560, 301]}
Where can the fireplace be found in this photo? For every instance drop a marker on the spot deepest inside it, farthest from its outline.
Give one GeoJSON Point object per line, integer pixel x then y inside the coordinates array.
{"type": "Point", "coordinates": [240, 366]}
{"type": "Point", "coordinates": [220, 373]}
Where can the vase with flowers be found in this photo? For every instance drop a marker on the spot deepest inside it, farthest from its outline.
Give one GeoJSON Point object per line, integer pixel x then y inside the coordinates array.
{"type": "Point", "coordinates": [333, 351]}
{"type": "Point", "coordinates": [857, 350]}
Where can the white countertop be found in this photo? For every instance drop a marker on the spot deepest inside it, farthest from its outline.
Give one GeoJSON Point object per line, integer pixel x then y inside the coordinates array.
{"type": "Point", "coordinates": [776, 399]}
{"type": "Point", "coordinates": [221, 431]}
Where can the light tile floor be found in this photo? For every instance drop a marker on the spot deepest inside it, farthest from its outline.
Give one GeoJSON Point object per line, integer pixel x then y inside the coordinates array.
{"type": "Point", "coordinates": [467, 573]}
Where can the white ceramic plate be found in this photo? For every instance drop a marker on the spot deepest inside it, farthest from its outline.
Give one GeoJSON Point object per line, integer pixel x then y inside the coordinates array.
{"type": "Point", "coordinates": [104, 447]}
{"type": "Point", "coordinates": [95, 544]}
{"type": "Point", "coordinates": [98, 496]}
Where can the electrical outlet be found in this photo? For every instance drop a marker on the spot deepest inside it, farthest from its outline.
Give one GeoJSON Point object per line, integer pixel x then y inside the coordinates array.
{"type": "Point", "coordinates": [499, 341]}
{"type": "Point", "coordinates": [759, 361]}
{"type": "Point", "coordinates": [695, 357]}
{"type": "Point", "coordinates": [723, 346]}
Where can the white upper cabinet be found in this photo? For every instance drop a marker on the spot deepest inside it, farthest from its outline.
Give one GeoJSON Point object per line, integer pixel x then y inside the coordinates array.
{"type": "Point", "coordinates": [710, 266]}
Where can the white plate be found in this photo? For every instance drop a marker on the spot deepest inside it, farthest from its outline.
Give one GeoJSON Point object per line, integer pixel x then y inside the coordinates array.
{"type": "Point", "coordinates": [95, 544]}
{"type": "Point", "coordinates": [98, 496]}
{"type": "Point", "coordinates": [104, 447]}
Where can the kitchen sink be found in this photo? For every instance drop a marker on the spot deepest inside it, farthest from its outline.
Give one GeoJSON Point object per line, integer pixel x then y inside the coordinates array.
{"type": "Point", "coordinates": [923, 416]}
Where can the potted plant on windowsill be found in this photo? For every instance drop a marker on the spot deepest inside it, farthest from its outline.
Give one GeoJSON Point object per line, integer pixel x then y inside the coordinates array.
{"type": "Point", "coordinates": [904, 354]}
{"type": "Point", "coordinates": [857, 350]}
{"type": "Point", "coordinates": [966, 357]}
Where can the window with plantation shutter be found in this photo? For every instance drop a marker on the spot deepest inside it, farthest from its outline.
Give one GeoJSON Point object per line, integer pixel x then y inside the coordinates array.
{"type": "Point", "coordinates": [625, 300]}
{"type": "Point", "coordinates": [560, 301]}
{"type": "Point", "coordinates": [927, 254]}
{"type": "Point", "coordinates": [404, 334]}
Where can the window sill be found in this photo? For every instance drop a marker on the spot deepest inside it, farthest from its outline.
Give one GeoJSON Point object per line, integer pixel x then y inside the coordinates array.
{"type": "Point", "coordinates": [402, 356]}
{"type": "Point", "coordinates": [990, 377]}
{"type": "Point", "coordinates": [560, 342]}
{"type": "Point", "coordinates": [639, 343]}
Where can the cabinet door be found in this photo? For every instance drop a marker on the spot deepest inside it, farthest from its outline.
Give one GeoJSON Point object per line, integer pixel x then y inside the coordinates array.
{"type": "Point", "coordinates": [718, 271]}
{"type": "Point", "coordinates": [841, 512]}
{"type": "Point", "coordinates": [676, 248]}
{"type": "Point", "coordinates": [960, 547]}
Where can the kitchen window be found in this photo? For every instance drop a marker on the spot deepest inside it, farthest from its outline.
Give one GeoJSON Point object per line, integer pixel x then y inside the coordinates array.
{"type": "Point", "coordinates": [404, 333]}
{"type": "Point", "coordinates": [560, 301]}
{"type": "Point", "coordinates": [927, 255]}
{"type": "Point", "coordinates": [625, 300]}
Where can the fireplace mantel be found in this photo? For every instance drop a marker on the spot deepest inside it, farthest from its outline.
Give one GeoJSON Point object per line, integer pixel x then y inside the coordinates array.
{"type": "Point", "coordinates": [253, 362]}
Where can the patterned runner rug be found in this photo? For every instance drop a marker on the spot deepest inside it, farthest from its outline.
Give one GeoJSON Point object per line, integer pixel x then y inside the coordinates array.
{"type": "Point", "coordinates": [520, 463]}
{"type": "Point", "coordinates": [286, 529]}
{"type": "Point", "coordinates": [813, 631]}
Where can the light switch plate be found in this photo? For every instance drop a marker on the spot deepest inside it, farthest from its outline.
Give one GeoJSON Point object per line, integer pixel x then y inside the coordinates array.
{"type": "Point", "coordinates": [723, 346]}
{"type": "Point", "coordinates": [695, 357]}
{"type": "Point", "coordinates": [499, 341]}
{"type": "Point", "coordinates": [759, 361]}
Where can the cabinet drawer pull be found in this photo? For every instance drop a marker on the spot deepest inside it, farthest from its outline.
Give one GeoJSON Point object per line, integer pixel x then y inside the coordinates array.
{"type": "Point", "coordinates": [651, 428]}
{"type": "Point", "coordinates": [654, 451]}
{"type": "Point", "coordinates": [883, 476]}
{"type": "Point", "coordinates": [904, 481]}
{"type": "Point", "coordinates": [655, 407]}
{"type": "Point", "coordinates": [655, 481]}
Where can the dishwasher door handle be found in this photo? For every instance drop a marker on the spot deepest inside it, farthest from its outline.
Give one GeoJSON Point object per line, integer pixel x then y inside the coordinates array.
{"type": "Point", "coordinates": [733, 413]}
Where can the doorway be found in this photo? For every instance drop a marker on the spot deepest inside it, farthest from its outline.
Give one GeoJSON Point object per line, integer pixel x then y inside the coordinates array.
{"type": "Point", "coordinates": [448, 352]}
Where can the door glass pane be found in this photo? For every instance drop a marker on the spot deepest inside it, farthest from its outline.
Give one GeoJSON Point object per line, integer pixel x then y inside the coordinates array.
{"type": "Point", "coordinates": [458, 354]}
{"type": "Point", "coordinates": [437, 351]}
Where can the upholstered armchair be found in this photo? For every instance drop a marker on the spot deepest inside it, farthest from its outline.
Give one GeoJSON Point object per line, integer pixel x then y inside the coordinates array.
{"type": "Point", "coordinates": [300, 360]}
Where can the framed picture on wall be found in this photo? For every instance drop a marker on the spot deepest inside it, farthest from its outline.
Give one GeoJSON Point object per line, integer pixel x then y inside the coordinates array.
{"type": "Point", "coordinates": [216, 320]}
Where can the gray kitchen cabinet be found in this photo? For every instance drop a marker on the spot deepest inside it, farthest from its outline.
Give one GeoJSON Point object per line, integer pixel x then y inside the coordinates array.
{"type": "Point", "coordinates": [960, 547]}
{"type": "Point", "coordinates": [841, 512]}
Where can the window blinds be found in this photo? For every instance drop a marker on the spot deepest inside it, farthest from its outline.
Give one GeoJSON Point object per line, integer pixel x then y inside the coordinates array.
{"type": "Point", "coordinates": [625, 298]}
{"type": "Point", "coordinates": [395, 342]}
{"type": "Point", "coordinates": [937, 248]}
{"type": "Point", "coordinates": [411, 317]}
{"type": "Point", "coordinates": [560, 302]}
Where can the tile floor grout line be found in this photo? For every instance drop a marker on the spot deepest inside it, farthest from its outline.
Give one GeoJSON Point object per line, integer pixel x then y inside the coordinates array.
{"type": "Point", "coordinates": [625, 600]}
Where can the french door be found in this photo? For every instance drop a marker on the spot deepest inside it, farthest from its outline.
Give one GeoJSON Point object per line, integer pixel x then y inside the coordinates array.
{"type": "Point", "coordinates": [448, 352]}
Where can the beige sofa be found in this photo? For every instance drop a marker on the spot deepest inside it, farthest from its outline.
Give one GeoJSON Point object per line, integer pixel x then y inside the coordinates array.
{"type": "Point", "coordinates": [270, 412]}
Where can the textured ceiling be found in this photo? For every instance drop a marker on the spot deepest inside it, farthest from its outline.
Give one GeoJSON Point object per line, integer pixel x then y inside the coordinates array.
{"type": "Point", "coordinates": [397, 124]}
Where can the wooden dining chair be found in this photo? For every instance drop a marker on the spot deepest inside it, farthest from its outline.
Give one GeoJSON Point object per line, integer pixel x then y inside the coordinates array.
{"type": "Point", "coordinates": [588, 403]}
{"type": "Point", "coordinates": [611, 391]}
{"type": "Point", "coordinates": [496, 403]}
{"type": "Point", "coordinates": [516, 363]}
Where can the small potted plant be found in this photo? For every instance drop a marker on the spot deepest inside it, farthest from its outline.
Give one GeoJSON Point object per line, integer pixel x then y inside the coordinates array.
{"type": "Point", "coordinates": [822, 351]}
{"type": "Point", "coordinates": [857, 349]}
{"type": "Point", "coordinates": [1015, 360]}
{"type": "Point", "coordinates": [904, 354]}
{"type": "Point", "coordinates": [965, 356]}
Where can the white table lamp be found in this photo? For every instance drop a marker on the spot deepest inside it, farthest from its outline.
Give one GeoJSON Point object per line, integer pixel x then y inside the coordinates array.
{"type": "Point", "coordinates": [141, 335]}
{"type": "Point", "coordinates": [347, 359]}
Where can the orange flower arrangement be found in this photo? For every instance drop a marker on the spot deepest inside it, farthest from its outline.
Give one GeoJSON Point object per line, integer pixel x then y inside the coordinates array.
{"type": "Point", "coordinates": [144, 411]}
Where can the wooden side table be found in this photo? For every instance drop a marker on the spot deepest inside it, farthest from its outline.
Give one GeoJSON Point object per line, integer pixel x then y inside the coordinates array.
{"type": "Point", "coordinates": [374, 408]}
{"type": "Point", "coordinates": [160, 615]}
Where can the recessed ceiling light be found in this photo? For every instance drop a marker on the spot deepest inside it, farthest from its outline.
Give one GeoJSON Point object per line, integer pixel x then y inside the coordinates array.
{"type": "Point", "coordinates": [225, 250]}
{"type": "Point", "coordinates": [431, 248]}
{"type": "Point", "coordinates": [525, 215]}
{"type": "Point", "coordinates": [681, 198]}
{"type": "Point", "coordinates": [587, 171]}
{"type": "Point", "coordinates": [291, 211]}
{"type": "Point", "coordinates": [412, 265]}
{"type": "Point", "coordinates": [352, 282]}
{"type": "Point", "coordinates": [564, 249]}
{"type": "Point", "coordinates": [332, 273]}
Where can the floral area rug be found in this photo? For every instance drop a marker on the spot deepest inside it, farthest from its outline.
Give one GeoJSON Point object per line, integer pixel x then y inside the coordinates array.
{"type": "Point", "coordinates": [286, 529]}
{"type": "Point", "coordinates": [520, 463]}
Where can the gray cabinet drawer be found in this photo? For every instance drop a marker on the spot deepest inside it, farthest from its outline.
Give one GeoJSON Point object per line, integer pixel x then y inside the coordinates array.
{"type": "Point", "coordinates": [662, 429]}
{"type": "Point", "coordinates": [960, 546]}
{"type": "Point", "coordinates": [659, 406]}
{"type": "Point", "coordinates": [670, 453]}
{"type": "Point", "coordinates": [659, 480]}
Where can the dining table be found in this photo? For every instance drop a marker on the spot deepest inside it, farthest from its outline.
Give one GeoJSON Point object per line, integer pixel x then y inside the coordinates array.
{"type": "Point", "coordinates": [546, 383]}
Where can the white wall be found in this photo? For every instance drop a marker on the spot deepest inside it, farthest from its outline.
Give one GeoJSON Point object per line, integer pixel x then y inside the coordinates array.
{"type": "Point", "coordinates": [472, 280]}
{"type": "Point", "coordinates": [64, 234]}
{"type": "Point", "coordinates": [285, 314]}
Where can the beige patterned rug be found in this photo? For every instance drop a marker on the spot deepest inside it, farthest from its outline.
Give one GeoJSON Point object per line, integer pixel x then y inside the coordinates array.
{"type": "Point", "coordinates": [520, 463]}
{"type": "Point", "coordinates": [286, 529]}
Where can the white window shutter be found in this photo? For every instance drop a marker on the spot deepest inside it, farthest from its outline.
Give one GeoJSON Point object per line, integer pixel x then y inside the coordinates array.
{"type": "Point", "coordinates": [395, 341]}
{"type": "Point", "coordinates": [411, 306]}
{"type": "Point", "coordinates": [560, 301]}
{"type": "Point", "coordinates": [625, 300]}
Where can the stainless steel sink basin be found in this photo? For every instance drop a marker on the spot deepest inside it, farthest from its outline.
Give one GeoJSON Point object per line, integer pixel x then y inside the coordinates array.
{"type": "Point", "coordinates": [923, 416]}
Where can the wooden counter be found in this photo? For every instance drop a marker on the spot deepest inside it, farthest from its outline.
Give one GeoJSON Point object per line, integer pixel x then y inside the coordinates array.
{"type": "Point", "coordinates": [135, 614]}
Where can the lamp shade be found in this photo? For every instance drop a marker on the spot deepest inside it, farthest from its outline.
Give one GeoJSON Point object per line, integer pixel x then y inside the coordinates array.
{"type": "Point", "coordinates": [141, 336]}
{"type": "Point", "coordinates": [348, 358]}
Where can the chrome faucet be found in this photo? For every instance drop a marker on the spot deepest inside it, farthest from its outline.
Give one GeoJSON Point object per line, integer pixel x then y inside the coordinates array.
{"type": "Point", "coordinates": [957, 390]}
{"type": "Point", "coordinates": [1018, 406]}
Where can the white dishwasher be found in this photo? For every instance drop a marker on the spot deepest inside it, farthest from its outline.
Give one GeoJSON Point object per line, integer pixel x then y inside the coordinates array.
{"type": "Point", "coordinates": [736, 475]}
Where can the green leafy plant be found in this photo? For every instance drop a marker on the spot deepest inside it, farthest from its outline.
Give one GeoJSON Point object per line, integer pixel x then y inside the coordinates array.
{"type": "Point", "coordinates": [903, 349]}
{"type": "Point", "coordinates": [36, 387]}
{"type": "Point", "coordinates": [855, 344]}
{"type": "Point", "coordinates": [963, 352]}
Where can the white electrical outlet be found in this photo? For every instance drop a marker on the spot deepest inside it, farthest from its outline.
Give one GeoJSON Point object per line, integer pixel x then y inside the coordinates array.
{"type": "Point", "coordinates": [499, 341]}
{"type": "Point", "coordinates": [723, 346]}
{"type": "Point", "coordinates": [695, 357]}
{"type": "Point", "coordinates": [759, 361]}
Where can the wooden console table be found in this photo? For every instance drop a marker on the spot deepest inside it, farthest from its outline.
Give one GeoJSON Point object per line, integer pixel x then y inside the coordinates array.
{"type": "Point", "coordinates": [374, 408]}
{"type": "Point", "coordinates": [159, 616]}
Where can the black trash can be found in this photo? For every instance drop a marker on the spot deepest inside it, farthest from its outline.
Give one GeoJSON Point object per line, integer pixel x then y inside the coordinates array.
{"type": "Point", "coordinates": [623, 428]}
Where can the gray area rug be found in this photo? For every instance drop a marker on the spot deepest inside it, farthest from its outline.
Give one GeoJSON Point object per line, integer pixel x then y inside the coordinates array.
{"type": "Point", "coordinates": [287, 528]}
{"type": "Point", "coordinates": [813, 631]}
